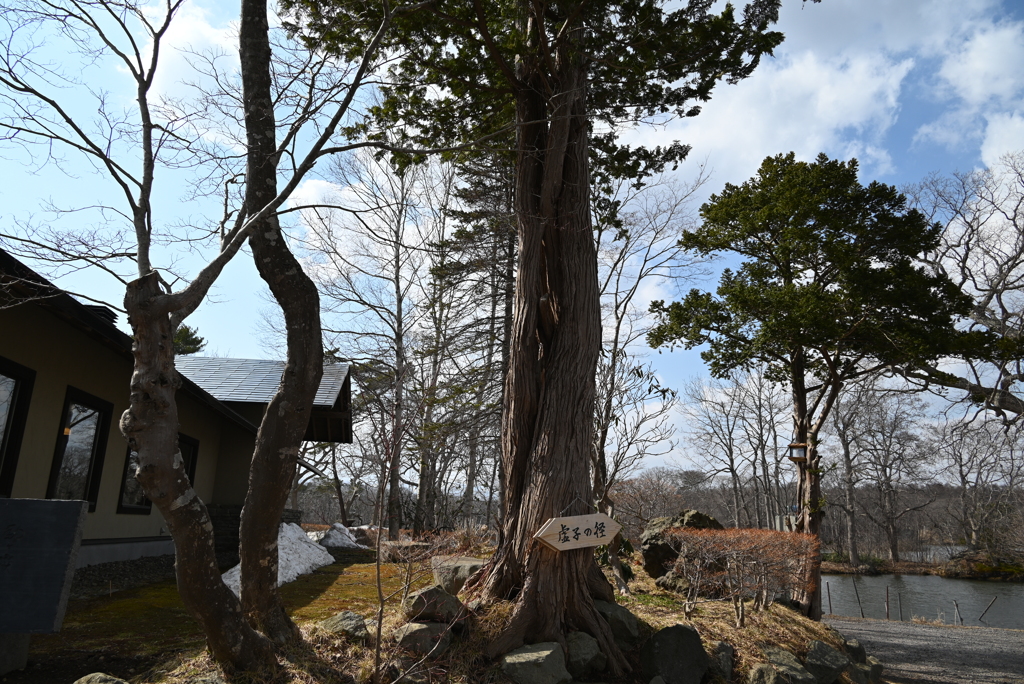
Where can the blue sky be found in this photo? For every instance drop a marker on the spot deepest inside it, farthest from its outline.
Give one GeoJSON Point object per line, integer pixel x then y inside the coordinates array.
{"type": "Point", "coordinates": [908, 87]}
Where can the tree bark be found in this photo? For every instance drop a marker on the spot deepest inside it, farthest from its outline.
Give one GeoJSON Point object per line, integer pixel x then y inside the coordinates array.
{"type": "Point", "coordinates": [849, 493]}
{"type": "Point", "coordinates": [547, 426]}
{"type": "Point", "coordinates": [808, 487]}
{"type": "Point", "coordinates": [287, 416]}
{"type": "Point", "coordinates": [151, 427]}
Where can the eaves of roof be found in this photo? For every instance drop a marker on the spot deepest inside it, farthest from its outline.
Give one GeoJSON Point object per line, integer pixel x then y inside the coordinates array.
{"type": "Point", "coordinates": [26, 285]}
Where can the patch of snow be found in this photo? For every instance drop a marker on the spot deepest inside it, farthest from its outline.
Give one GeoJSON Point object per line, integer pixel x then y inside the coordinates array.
{"type": "Point", "coordinates": [340, 536]}
{"type": "Point", "coordinates": [297, 555]}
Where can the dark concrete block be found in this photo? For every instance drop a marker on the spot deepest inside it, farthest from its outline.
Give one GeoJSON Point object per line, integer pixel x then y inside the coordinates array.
{"type": "Point", "coordinates": [39, 542]}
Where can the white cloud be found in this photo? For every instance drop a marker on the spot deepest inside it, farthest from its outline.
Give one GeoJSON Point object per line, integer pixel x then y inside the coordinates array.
{"type": "Point", "coordinates": [803, 103]}
{"type": "Point", "coordinates": [985, 69]}
{"type": "Point", "coordinates": [978, 86]}
{"type": "Point", "coordinates": [194, 29]}
{"type": "Point", "coordinates": [1004, 133]}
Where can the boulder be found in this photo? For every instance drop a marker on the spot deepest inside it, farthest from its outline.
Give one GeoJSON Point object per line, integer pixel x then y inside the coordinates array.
{"type": "Point", "coordinates": [657, 680]}
{"type": "Point", "coordinates": [583, 655]}
{"type": "Point", "coordinates": [365, 535]}
{"type": "Point", "coordinates": [672, 581]}
{"type": "Point", "coordinates": [676, 655]}
{"type": "Point", "coordinates": [722, 656]}
{"type": "Point", "coordinates": [875, 669]}
{"type": "Point", "coordinates": [788, 665]}
{"type": "Point", "coordinates": [859, 673]}
{"type": "Point", "coordinates": [425, 638]}
{"type": "Point", "coordinates": [856, 651]}
{"type": "Point", "coordinates": [658, 554]}
{"type": "Point", "coordinates": [542, 663]}
{"type": "Point", "coordinates": [350, 625]}
{"type": "Point", "coordinates": [451, 572]}
{"type": "Point", "coordinates": [99, 678]}
{"type": "Point", "coordinates": [825, 662]}
{"type": "Point", "coordinates": [624, 625]}
{"type": "Point", "coordinates": [434, 604]}
{"type": "Point", "coordinates": [763, 673]}
{"type": "Point", "coordinates": [340, 536]}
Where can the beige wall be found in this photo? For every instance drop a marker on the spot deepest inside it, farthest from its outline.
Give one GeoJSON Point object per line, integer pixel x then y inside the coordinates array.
{"type": "Point", "coordinates": [63, 356]}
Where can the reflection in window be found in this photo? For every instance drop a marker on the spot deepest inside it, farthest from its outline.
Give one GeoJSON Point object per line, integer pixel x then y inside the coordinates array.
{"type": "Point", "coordinates": [15, 392]}
{"type": "Point", "coordinates": [81, 428]}
{"type": "Point", "coordinates": [81, 442]}
{"type": "Point", "coordinates": [7, 386]}
{"type": "Point", "coordinates": [133, 498]}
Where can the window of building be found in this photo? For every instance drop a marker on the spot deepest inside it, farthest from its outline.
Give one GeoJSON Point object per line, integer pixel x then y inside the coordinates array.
{"type": "Point", "coordinates": [15, 392]}
{"type": "Point", "coordinates": [133, 500]}
{"type": "Point", "coordinates": [81, 443]}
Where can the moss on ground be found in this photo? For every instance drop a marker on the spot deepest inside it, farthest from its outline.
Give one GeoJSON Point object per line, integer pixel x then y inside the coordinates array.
{"type": "Point", "coordinates": [145, 635]}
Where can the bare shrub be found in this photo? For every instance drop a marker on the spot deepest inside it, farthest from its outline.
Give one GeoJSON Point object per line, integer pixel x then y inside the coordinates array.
{"type": "Point", "coordinates": [742, 564]}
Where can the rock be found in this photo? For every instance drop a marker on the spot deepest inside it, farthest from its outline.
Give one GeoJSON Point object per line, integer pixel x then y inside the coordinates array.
{"type": "Point", "coordinates": [855, 651]}
{"type": "Point", "coordinates": [722, 655]}
{"type": "Point", "coordinates": [410, 671]}
{"type": "Point", "coordinates": [859, 673]}
{"type": "Point", "coordinates": [99, 678]}
{"type": "Point", "coordinates": [542, 663]}
{"type": "Point", "coordinates": [657, 680]}
{"type": "Point", "coordinates": [676, 655]}
{"type": "Point", "coordinates": [583, 655]}
{"type": "Point", "coordinates": [788, 665]}
{"type": "Point", "coordinates": [825, 662]}
{"type": "Point", "coordinates": [425, 638]}
{"type": "Point", "coordinates": [339, 535]}
{"type": "Point", "coordinates": [451, 572]}
{"type": "Point", "coordinates": [434, 604]}
{"type": "Point", "coordinates": [348, 624]}
{"type": "Point", "coordinates": [671, 581]}
{"type": "Point", "coordinates": [365, 535]}
{"type": "Point", "coordinates": [763, 673]}
{"type": "Point", "coordinates": [624, 625]}
{"type": "Point", "coordinates": [657, 552]}
{"type": "Point", "coordinates": [876, 669]}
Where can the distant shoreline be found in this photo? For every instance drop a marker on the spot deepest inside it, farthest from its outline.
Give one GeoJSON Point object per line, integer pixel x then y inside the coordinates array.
{"type": "Point", "coordinates": [884, 568]}
{"type": "Point", "coordinates": [912, 568]}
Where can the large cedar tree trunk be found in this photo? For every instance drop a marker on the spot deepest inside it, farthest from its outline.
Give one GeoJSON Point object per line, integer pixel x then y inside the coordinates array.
{"type": "Point", "coordinates": [151, 427]}
{"type": "Point", "coordinates": [808, 489]}
{"type": "Point", "coordinates": [287, 416]}
{"type": "Point", "coordinates": [547, 425]}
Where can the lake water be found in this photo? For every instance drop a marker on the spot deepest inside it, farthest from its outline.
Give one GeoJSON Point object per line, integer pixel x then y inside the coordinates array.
{"type": "Point", "coordinates": [926, 596]}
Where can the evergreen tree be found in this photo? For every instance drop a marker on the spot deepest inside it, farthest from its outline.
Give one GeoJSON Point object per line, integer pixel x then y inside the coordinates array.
{"type": "Point", "coordinates": [187, 340]}
{"type": "Point", "coordinates": [829, 290]}
{"type": "Point", "coordinates": [565, 76]}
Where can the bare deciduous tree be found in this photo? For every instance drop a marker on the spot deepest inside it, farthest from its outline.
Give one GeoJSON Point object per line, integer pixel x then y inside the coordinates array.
{"type": "Point", "coordinates": [42, 116]}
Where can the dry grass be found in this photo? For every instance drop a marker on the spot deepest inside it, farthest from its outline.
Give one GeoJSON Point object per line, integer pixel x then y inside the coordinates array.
{"type": "Point", "coordinates": [172, 639]}
{"type": "Point", "coordinates": [716, 621]}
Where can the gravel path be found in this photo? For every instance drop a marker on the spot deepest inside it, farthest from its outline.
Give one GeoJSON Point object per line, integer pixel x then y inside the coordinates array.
{"type": "Point", "coordinates": [941, 655]}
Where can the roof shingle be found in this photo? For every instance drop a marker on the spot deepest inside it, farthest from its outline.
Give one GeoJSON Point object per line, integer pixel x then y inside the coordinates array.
{"type": "Point", "coordinates": [253, 380]}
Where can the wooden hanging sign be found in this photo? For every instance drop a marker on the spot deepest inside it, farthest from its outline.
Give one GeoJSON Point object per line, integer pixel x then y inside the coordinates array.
{"type": "Point", "coordinates": [577, 531]}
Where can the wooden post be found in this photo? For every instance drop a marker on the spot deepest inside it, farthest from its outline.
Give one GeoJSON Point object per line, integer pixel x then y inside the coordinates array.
{"type": "Point", "coordinates": [886, 601]}
{"type": "Point", "coordinates": [857, 594]}
{"type": "Point", "coordinates": [899, 601]}
{"type": "Point", "coordinates": [989, 606]}
{"type": "Point", "coordinates": [956, 613]}
{"type": "Point", "coordinates": [828, 590]}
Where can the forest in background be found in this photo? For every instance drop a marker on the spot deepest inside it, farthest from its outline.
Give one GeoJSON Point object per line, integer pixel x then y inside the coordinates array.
{"type": "Point", "coordinates": [417, 296]}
